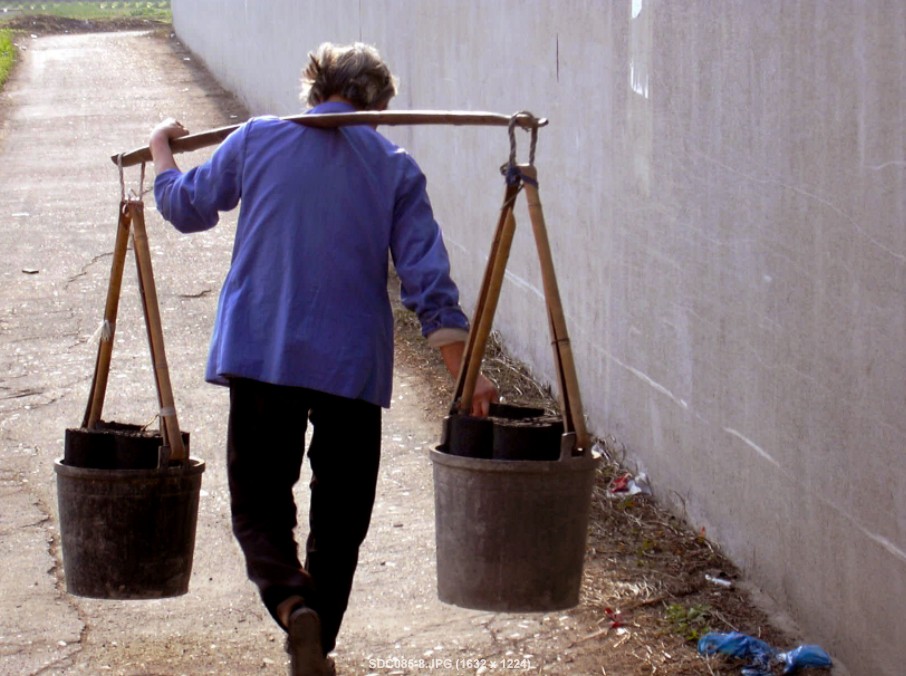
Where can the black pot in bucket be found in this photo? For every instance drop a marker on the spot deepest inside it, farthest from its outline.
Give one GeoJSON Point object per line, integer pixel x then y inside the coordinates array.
{"type": "Point", "coordinates": [527, 439]}
{"type": "Point", "coordinates": [509, 433]}
{"type": "Point", "coordinates": [470, 436]}
{"type": "Point", "coordinates": [127, 526]}
{"type": "Point", "coordinates": [114, 445]}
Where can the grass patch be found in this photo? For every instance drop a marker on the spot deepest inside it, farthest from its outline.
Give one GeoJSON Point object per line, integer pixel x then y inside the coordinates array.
{"type": "Point", "coordinates": [157, 10]}
{"type": "Point", "coordinates": [690, 622]}
{"type": "Point", "coordinates": [7, 55]}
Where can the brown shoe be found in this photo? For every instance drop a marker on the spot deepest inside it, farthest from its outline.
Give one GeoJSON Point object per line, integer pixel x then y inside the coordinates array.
{"type": "Point", "coordinates": [303, 644]}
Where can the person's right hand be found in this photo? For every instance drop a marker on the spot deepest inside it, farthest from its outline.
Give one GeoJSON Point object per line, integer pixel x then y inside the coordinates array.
{"type": "Point", "coordinates": [485, 394]}
{"type": "Point", "coordinates": [485, 391]}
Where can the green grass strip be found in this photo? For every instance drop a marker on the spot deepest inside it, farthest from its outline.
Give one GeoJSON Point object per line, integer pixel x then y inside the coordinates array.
{"type": "Point", "coordinates": [158, 10]}
{"type": "Point", "coordinates": [7, 55]}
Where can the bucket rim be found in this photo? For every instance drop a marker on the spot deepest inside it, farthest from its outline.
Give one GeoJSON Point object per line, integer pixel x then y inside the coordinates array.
{"type": "Point", "coordinates": [193, 467]}
{"type": "Point", "coordinates": [581, 463]}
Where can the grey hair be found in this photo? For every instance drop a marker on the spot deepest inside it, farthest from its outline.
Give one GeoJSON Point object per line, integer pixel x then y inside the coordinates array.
{"type": "Point", "coordinates": [355, 72]}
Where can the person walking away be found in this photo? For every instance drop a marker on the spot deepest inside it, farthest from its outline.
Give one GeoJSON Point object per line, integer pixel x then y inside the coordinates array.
{"type": "Point", "coordinates": [304, 327]}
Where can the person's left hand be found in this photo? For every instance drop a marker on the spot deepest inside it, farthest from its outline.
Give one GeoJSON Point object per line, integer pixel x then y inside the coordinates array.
{"type": "Point", "coordinates": [159, 144]}
{"type": "Point", "coordinates": [485, 394]}
{"type": "Point", "coordinates": [169, 129]}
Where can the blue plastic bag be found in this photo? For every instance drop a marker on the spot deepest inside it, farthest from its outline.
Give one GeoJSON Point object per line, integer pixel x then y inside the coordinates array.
{"type": "Point", "coordinates": [804, 656]}
{"type": "Point", "coordinates": [742, 646]}
{"type": "Point", "coordinates": [762, 655]}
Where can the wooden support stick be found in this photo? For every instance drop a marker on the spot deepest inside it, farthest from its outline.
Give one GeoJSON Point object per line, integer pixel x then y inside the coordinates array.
{"type": "Point", "coordinates": [328, 120]}
{"type": "Point", "coordinates": [169, 422]}
{"type": "Point", "coordinates": [563, 356]}
{"type": "Point", "coordinates": [105, 345]}
{"type": "Point", "coordinates": [486, 305]}
{"type": "Point", "coordinates": [562, 391]}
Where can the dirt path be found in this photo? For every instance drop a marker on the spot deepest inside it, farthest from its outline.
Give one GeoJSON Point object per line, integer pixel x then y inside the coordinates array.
{"type": "Point", "coordinates": [75, 100]}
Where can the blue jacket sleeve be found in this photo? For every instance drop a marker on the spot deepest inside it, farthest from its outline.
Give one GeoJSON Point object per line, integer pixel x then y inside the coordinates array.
{"type": "Point", "coordinates": [421, 259]}
{"type": "Point", "coordinates": [191, 201]}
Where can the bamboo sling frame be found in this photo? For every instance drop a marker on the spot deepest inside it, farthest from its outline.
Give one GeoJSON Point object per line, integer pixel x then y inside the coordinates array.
{"type": "Point", "coordinates": [519, 177]}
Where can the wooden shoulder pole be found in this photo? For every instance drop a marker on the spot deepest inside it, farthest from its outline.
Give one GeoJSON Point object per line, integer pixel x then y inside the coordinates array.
{"type": "Point", "coordinates": [330, 120]}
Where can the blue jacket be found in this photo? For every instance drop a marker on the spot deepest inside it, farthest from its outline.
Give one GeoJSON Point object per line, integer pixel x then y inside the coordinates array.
{"type": "Point", "coordinates": [305, 300]}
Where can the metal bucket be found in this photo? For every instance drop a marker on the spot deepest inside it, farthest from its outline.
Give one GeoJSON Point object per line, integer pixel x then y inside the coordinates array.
{"type": "Point", "coordinates": [128, 533]}
{"type": "Point", "coordinates": [511, 533]}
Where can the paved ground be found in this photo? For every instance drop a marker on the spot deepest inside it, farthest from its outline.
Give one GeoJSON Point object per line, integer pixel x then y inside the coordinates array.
{"type": "Point", "coordinates": [75, 100]}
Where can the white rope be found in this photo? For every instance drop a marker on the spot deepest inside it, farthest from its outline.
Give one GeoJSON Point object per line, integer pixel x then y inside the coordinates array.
{"type": "Point", "coordinates": [512, 135]}
{"type": "Point", "coordinates": [104, 334]}
{"type": "Point", "coordinates": [119, 161]}
{"type": "Point", "coordinates": [133, 196]}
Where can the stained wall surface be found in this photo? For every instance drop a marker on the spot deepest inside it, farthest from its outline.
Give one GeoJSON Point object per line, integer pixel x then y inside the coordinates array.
{"type": "Point", "coordinates": [725, 186]}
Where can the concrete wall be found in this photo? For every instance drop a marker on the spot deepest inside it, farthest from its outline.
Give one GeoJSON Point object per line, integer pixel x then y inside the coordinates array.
{"type": "Point", "coordinates": [724, 184]}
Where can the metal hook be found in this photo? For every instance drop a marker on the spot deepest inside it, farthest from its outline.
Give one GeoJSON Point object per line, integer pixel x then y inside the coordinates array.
{"type": "Point", "coordinates": [512, 133]}
{"type": "Point", "coordinates": [509, 169]}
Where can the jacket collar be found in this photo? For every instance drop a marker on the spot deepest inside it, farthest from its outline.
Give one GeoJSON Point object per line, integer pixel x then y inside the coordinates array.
{"type": "Point", "coordinates": [333, 107]}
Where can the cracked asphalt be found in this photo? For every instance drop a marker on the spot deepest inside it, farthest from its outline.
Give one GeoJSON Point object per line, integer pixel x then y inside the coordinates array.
{"type": "Point", "coordinates": [74, 101]}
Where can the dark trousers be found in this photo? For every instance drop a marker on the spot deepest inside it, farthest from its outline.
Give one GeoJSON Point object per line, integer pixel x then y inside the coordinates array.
{"type": "Point", "coordinates": [265, 448]}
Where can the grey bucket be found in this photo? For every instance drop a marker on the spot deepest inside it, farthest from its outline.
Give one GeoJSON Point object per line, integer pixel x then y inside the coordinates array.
{"type": "Point", "coordinates": [511, 533]}
{"type": "Point", "coordinates": [128, 533]}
